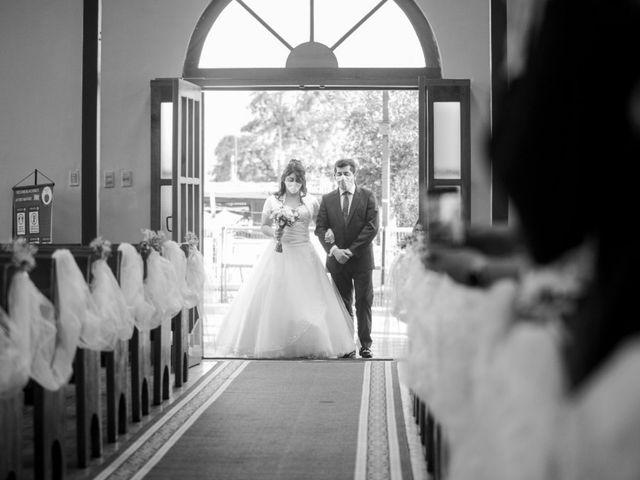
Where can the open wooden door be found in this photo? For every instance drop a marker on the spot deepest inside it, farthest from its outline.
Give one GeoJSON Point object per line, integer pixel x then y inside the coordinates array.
{"type": "Point", "coordinates": [445, 140]}
{"type": "Point", "coordinates": [176, 173]}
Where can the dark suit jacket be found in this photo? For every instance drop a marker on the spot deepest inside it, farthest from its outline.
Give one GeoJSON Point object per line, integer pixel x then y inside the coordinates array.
{"type": "Point", "coordinates": [358, 232]}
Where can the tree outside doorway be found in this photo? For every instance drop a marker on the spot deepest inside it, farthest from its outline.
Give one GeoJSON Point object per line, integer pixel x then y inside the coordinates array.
{"type": "Point", "coordinates": [319, 127]}
{"type": "Point", "coordinates": [249, 138]}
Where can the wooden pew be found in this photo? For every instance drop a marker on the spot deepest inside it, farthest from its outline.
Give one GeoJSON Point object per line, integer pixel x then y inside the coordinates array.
{"type": "Point", "coordinates": [161, 358]}
{"type": "Point", "coordinates": [424, 421]}
{"type": "Point", "coordinates": [11, 407]}
{"type": "Point", "coordinates": [87, 380]}
{"type": "Point", "coordinates": [181, 326]}
{"type": "Point", "coordinates": [432, 437]}
{"type": "Point", "coordinates": [117, 372]}
{"type": "Point", "coordinates": [141, 374]}
{"type": "Point", "coordinates": [118, 395]}
{"type": "Point", "coordinates": [48, 406]}
{"type": "Point", "coordinates": [170, 343]}
{"type": "Point", "coordinates": [141, 371]}
{"type": "Point", "coordinates": [179, 347]}
{"type": "Point", "coordinates": [49, 433]}
{"type": "Point", "coordinates": [11, 438]}
{"type": "Point", "coordinates": [161, 346]}
{"type": "Point", "coordinates": [86, 366]}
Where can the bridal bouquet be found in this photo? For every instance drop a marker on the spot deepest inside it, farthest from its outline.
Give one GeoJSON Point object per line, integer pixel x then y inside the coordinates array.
{"type": "Point", "coordinates": [283, 217]}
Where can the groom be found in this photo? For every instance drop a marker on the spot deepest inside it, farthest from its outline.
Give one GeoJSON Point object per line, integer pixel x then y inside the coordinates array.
{"type": "Point", "coordinates": [346, 225]}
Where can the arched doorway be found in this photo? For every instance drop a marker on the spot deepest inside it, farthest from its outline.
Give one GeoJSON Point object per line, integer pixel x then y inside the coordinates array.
{"type": "Point", "coordinates": [279, 45]}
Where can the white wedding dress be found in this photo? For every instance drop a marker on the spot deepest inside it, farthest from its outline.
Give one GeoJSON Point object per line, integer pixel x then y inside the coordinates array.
{"type": "Point", "coordinates": [289, 307]}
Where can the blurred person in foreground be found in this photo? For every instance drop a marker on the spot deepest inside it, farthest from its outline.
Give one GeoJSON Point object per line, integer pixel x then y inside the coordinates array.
{"type": "Point", "coordinates": [563, 146]}
{"type": "Point", "coordinates": [557, 396]}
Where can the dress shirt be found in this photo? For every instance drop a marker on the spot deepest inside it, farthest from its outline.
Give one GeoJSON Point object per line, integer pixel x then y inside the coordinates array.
{"type": "Point", "coordinates": [351, 191]}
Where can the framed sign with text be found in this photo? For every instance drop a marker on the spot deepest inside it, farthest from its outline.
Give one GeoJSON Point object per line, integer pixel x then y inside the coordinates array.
{"type": "Point", "coordinates": [32, 210]}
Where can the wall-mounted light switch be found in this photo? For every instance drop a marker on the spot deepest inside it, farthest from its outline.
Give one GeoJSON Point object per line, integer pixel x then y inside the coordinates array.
{"type": "Point", "coordinates": [109, 179]}
{"type": "Point", "coordinates": [74, 178]}
{"type": "Point", "coordinates": [126, 178]}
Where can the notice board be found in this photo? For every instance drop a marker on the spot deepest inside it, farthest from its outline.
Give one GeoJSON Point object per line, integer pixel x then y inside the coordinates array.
{"type": "Point", "coordinates": [33, 210]}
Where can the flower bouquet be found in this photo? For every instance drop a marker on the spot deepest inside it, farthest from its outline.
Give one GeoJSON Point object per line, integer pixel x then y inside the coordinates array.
{"type": "Point", "coordinates": [101, 247]}
{"type": "Point", "coordinates": [283, 217]}
{"type": "Point", "coordinates": [154, 239]}
{"type": "Point", "coordinates": [23, 253]}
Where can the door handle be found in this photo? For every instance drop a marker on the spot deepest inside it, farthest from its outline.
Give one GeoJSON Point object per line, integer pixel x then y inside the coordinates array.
{"type": "Point", "coordinates": [169, 229]}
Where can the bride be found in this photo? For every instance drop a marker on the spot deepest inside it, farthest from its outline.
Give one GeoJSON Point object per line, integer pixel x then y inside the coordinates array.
{"type": "Point", "coordinates": [289, 308]}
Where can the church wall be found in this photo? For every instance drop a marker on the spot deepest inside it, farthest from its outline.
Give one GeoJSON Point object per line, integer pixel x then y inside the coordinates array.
{"type": "Point", "coordinates": [41, 105]}
{"type": "Point", "coordinates": [142, 40]}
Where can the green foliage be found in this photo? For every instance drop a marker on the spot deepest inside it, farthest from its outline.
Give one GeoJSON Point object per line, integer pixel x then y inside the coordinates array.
{"type": "Point", "coordinates": [319, 127]}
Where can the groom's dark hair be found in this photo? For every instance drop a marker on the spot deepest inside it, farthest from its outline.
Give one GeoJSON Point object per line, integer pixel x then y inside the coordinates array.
{"type": "Point", "coordinates": [345, 162]}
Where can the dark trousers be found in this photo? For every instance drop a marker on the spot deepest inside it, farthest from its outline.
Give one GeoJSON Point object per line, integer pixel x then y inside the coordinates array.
{"type": "Point", "coordinates": [362, 283]}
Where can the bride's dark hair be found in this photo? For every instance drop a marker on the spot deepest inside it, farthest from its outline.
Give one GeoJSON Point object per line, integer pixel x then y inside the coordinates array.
{"type": "Point", "coordinates": [296, 168]}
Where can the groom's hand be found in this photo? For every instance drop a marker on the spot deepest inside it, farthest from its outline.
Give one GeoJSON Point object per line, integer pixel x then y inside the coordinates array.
{"type": "Point", "coordinates": [341, 255]}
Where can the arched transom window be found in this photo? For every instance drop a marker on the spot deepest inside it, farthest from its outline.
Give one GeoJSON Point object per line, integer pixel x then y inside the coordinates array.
{"type": "Point", "coordinates": [281, 41]}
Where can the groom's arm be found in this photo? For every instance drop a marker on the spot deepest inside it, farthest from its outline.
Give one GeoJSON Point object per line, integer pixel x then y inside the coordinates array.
{"type": "Point", "coordinates": [322, 225]}
{"type": "Point", "coordinates": [370, 229]}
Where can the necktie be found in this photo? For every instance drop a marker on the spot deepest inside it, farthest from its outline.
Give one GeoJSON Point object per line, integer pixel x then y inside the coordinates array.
{"type": "Point", "coordinates": [345, 205]}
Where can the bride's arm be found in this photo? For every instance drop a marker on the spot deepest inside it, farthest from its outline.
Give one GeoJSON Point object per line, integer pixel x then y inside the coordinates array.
{"type": "Point", "coordinates": [266, 221]}
{"type": "Point", "coordinates": [266, 228]}
{"type": "Point", "coordinates": [314, 207]}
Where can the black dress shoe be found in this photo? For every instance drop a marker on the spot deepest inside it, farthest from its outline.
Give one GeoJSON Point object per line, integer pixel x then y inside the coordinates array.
{"type": "Point", "coordinates": [365, 353]}
{"type": "Point", "coordinates": [351, 354]}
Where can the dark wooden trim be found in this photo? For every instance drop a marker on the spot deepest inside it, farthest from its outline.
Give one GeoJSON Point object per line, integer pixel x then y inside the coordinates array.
{"type": "Point", "coordinates": [465, 147]}
{"type": "Point", "coordinates": [198, 230]}
{"type": "Point", "coordinates": [312, 16]}
{"type": "Point", "coordinates": [187, 120]}
{"type": "Point", "coordinates": [499, 198]}
{"type": "Point", "coordinates": [276, 88]}
{"type": "Point", "coordinates": [199, 35]}
{"type": "Point", "coordinates": [429, 133]}
{"type": "Point", "coordinates": [155, 181]}
{"type": "Point", "coordinates": [90, 162]}
{"type": "Point", "coordinates": [425, 34]}
{"type": "Point", "coordinates": [423, 182]}
{"type": "Point", "coordinates": [178, 142]}
{"type": "Point", "coordinates": [458, 91]}
{"type": "Point", "coordinates": [312, 77]}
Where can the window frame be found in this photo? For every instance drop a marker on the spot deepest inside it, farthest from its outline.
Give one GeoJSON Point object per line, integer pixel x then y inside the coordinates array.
{"type": "Point", "coordinates": [444, 91]}
{"type": "Point", "coordinates": [321, 77]}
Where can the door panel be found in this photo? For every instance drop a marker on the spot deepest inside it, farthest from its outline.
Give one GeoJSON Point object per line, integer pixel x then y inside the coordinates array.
{"type": "Point", "coordinates": [445, 140]}
{"type": "Point", "coordinates": [176, 156]}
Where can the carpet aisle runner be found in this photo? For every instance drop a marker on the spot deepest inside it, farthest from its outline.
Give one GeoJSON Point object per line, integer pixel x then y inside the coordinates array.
{"type": "Point", "coordinates": [285, 420]}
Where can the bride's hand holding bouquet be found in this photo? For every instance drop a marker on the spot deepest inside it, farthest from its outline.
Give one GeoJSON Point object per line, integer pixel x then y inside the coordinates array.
{"type": "Point", "coordinates": [284, 216]}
